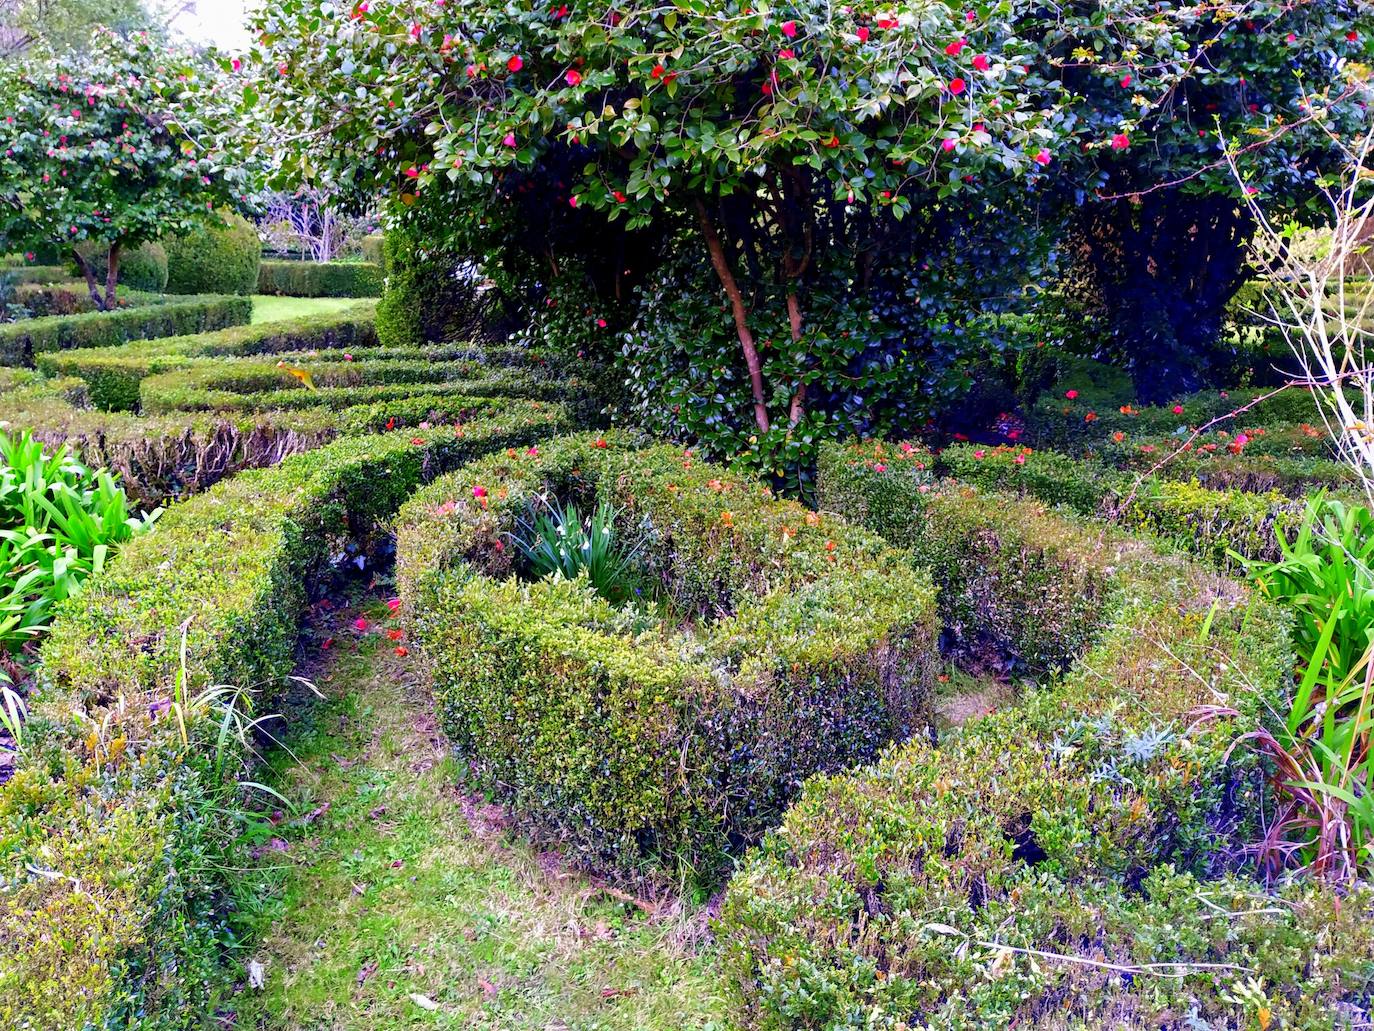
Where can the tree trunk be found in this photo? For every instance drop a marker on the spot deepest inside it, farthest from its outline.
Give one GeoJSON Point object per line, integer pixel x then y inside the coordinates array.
{"type": "Point", "coordinates": [112, 276]}
{"type": "Point", "coordinates": [92, 287]}
{"type": "Point", "coordinates": [746, 337]}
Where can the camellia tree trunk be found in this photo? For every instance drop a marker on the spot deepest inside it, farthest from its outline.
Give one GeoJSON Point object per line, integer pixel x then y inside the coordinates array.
{"type": "Point", "coordinates": [109, 300]}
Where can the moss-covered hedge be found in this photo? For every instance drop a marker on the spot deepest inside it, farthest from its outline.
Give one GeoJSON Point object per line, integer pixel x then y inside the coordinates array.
{"type": "Point", "coordinates": [116, 373]}
{"type": "Point", "coordinates": [113, 828]}
{"type": "Point", "coordinates": [320, 278]}
{"type": "Point", "coordinates": [215, 259]}
{"type": "Point", "coordinates": [618, 732]}
{"type": "Point", "coordinates": [1086, 822]}
{"type": "Point", "coordinates": [21, 341]}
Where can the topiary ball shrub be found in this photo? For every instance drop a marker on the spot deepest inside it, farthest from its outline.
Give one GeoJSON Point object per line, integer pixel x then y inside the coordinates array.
{"type": "Point", "coordinates": [140, 268]}
{"type": "Point", "coordinates": [215, 259]}
{"type": "Point", "coordinates": [768, 643]}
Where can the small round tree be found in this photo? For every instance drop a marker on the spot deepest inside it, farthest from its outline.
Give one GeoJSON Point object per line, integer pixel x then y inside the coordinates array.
{"type": "Point", "coordinates": [114, 146]}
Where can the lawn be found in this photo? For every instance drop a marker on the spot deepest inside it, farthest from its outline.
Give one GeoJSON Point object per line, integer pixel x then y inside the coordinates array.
{"type": "Point", "coordinates": [273, 309]}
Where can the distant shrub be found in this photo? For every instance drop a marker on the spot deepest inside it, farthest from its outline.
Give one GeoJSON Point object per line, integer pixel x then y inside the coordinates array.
{"type": "Point", "coordinates": [142, 268]}
{"type": "Point", "coordinates": [215, 260]}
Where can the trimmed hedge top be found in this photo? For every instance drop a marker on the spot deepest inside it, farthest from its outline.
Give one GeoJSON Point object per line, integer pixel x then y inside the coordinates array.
{"type": "Point", "coordinates": [792, 643]}
{"type": "Point", "coordinates": [871, 896]}
{"type": "Point", "coordinates": [111, 833]}
{"type": "Point", "coordinates": [21, 341]}
{"type": "Point", "coordinates": [115, 373]}
{"type": "Point", "coordinates": [320, 278]}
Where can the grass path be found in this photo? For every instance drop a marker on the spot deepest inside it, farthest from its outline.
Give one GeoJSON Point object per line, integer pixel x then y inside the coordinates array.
{"type": "Point", "coordinates": [401, 904]}
{"type": "Point", "coordinates": [268, 308]}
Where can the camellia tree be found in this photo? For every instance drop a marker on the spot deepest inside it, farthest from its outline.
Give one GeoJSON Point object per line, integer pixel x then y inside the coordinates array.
{"type": "Point", "coordinates": [116, 145]}
{"type": "Point", "coordinates": [785, 148]}
{"type": "Point", "coordinates": [1160, 93]}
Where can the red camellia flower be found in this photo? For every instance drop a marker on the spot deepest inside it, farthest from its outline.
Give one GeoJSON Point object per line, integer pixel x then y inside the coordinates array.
{"type": "Point", "coordinates": [573, 77]}
{"type": "Point", "coordinates": [1125, 82]}
{"type": "Point", "coordinates": [1042, 158]}
{"type": "Point", "coordinates": [949, 144]}
{"type": "Point", "coordinates": [619, 197]}
{"type": "Point", "coordinates": [412, 173]}
{"type": "Point", "coordinates": [1071, 394]}
{"type": "Point", "coordinates": [600, 442]}
{"type": "Point", "coordinates": [789, 29]}
{"type": "Point", "coordinates": [887, 23]}
{"type": "Point", "coordinates": [862, 33]}
{"type": "Point", "coordinates": [479, 492]}
{"type": "Point", "coordinates": [1178, 409]}
{"type": "Point", "coordinates": [402, 650]}
{"type": "Point", "coordinates": [360, 623]}
{"type": "Point", "coordinates": [1352, 36]}
{"type": "Point", "coordinates": [956, 86]}
{"type": "Point", "coordinates": [981, 62]}
{"type": "Point", "coordinates": [1120, 141]}
{"type": "Point", "coordinates": [572, 201]}
{"type": "Point", "coordinates": [515, 63]}
{"type": "Point", "coordinates": [787, 54]}
{"type": "Point", "coordinates": [954, 49]}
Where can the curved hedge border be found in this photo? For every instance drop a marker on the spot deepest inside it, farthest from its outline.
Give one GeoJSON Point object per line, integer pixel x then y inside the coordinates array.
{"type": "Point", "coordinates": [111, 830]}
{"type": "Point", "coordinates": [320, 278]}
{"type": "Point", "coordinates": [163, 457]}
{"type": "Point", "coordinates": [115, 373]}
{"type": "Point", "coordinates": [217, 388]}
{"type": "Point", "coordinates": [644, 743]}
{"type": "Point", "coordinates": [21, 341]}
{"type": "Point", "coordinates": [897, 895]}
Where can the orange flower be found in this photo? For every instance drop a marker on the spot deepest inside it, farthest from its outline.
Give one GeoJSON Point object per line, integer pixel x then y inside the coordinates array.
{"type": "Point", "coordinates": [813, 519]}
{"type": "Point", "coordinates": [728, 518]}
{"type": "Point", "coordinates": [1090, 417]}
{"type": "Point", "coordinates": [1118, 436]}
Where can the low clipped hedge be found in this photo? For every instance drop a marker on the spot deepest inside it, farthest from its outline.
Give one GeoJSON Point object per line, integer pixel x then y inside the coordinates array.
{"type": "Point", "coordinates": [218, 388]}
{"type": "Point", "coordinates": [160, 458]}
{"type": "Point", "coordinates": [1212, 523]}
{"type": "Point", "coordinates": [320, 278]}
{"type": "Point", "coordinates": [39, 274]}
{"type": "Point", "coordinates": [115, 374]}
{"type": "Point", "coordinates": [113, 829]}
{"type": "Point", "coordinates": [21, 341]}
{"type": "Point", "coordinates": [1088, 822]}
{"type": "Point", "coordinates": [45, 299]}
{"type": "Point", "coordinates": [616, 732]}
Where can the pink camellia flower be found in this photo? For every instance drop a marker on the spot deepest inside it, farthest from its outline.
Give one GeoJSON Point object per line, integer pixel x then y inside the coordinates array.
{"type": "Point", "coordinates": [1178, 409]}
{"type": "Point", "coordinates": [347, 357]}
{"type": "Point", "coordinates": [981, 62]}
{"type": "Point", "coordinates": [393, 604]}
{"type": "Point", "coordinates": [515, 63]}
{"type": "Point", "coordinates": [572, 77]}
{"type": "Point", "coordinates": [1042, 158]}
{"type": "Point", "coordinates": [360, 623]}
{"type": "Point", "coordinates": [949, 144]}
{"type": "Point", "coordinates": [533, 452]}
{"type": "Point", "coordinates": [954, 48]}
{"type": "Point", "coordinates": [236, 64]}
{"type": "Point", "coordinates": [979, 453]}
{"type": "Point", "coordinates": [1120, 141]}
{"type": "Point", "coordinates": [572, 201]}
{"type": "Point", "coordinates": [412, 173]}
{"type": "Point", "coordinates": [789, 29]}
{"type": "Point", "coordinates": [1125, 82]}
{"type": "Point", "coordinates": [1020, 459]}
{"type": "Point", "coordinates": [956, 86]}
{"type": "Point", "coordinates": [1242, 439]}
{"type": "Point", "coordinates": [601, 323]}
{"type": "Point", "coordinates": [479, 492]}
{"type": "Point", "coordinates": [880, 468]}
{"type": "Point", "coordinates": [1071, 394]}
{"type": "Point", "coordinates": [862, 33]}
{"type": "Point", "coordinates": [786, 54]}
{"type": "Point", "coordinates": [509, 141]}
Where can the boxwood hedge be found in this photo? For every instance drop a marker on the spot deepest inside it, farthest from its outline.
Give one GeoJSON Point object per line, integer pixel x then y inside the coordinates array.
{"type": "Point", "coordinates": [619, 732]}
{"type": "Point", "coordinates": [1053, 864]}
{"type": "Point", "coordinates": [115, 373]}
{"type": "Point", "coordinates": [320, 278]}
{"type": "Point", "coordinates": [113, 828]}
{"type": "Point", "coordinates": [21, 341]}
